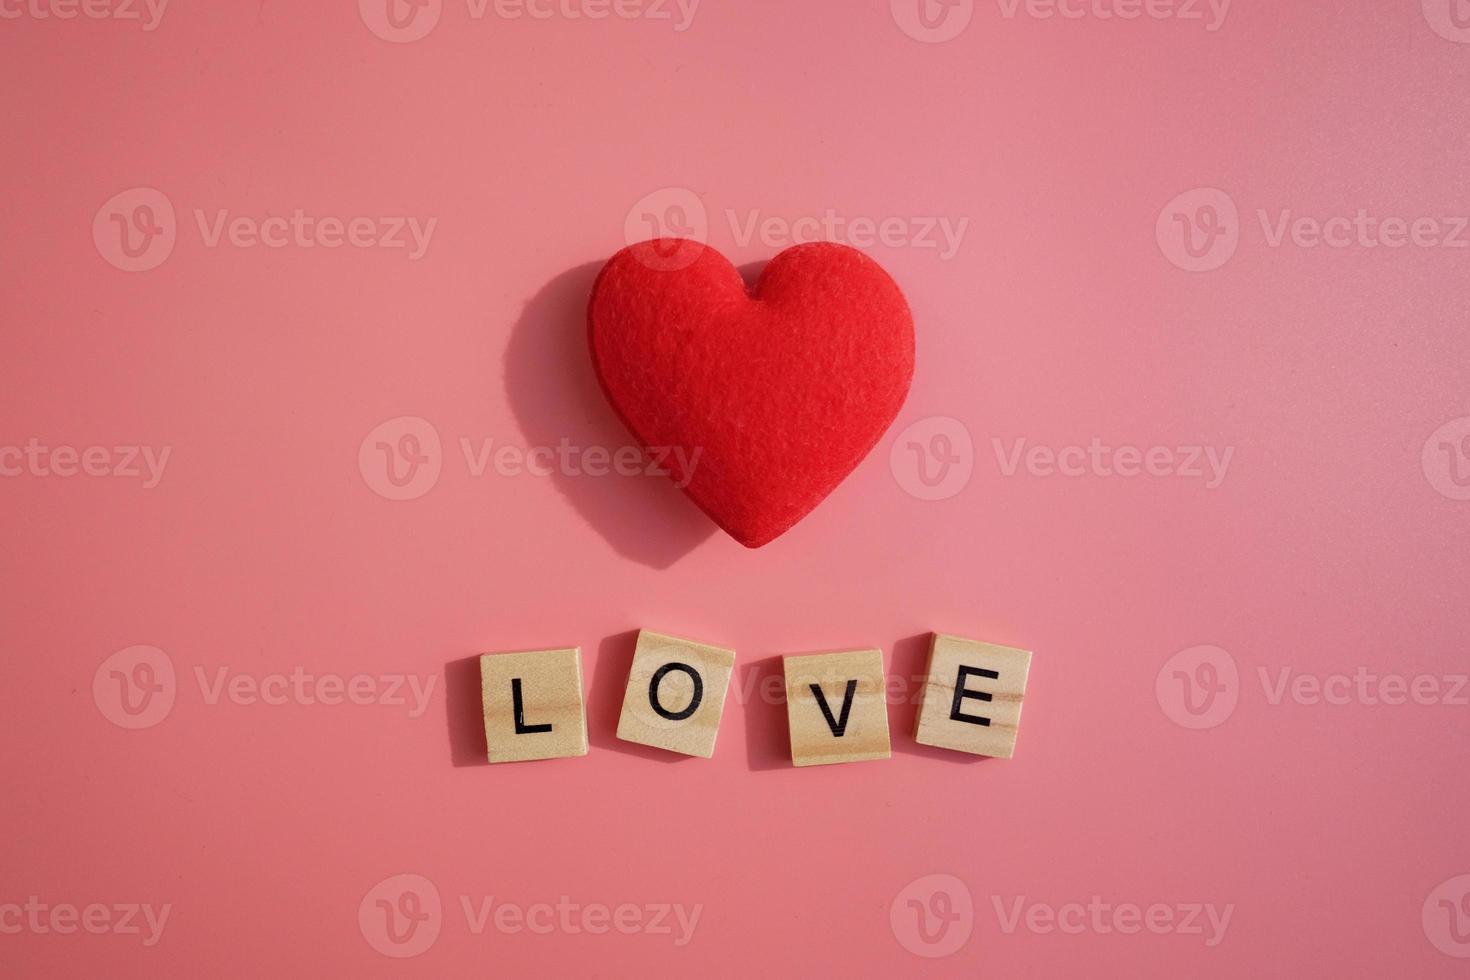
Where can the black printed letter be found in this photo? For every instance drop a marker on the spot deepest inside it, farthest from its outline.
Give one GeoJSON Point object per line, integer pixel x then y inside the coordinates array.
{"type": "Point", "coordinates": [520, 710]}
{"type": "Point", "coordinates": [955, 714]}
{"type": "Point", "coordinates": [838, 726]}
{"type": "Point", "coordinates": [698, 696]}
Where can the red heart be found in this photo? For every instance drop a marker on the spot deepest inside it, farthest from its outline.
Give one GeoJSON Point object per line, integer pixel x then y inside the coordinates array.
{"type": "Point", "coordinates": [780, 390]}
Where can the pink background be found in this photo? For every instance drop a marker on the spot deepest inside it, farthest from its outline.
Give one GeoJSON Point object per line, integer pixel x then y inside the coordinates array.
{"type": "Point", "coordinates": [1336, 541]}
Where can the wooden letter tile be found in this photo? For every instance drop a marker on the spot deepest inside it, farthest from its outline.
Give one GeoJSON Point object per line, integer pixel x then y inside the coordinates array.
{"type": "Point", "coordinates": [676, 694]}
{"type": "Point", "coordinates": [836, 707]}
{"type": "Point", "coordinates": [972, 696]}
{"type": "Point", "coordinates": [533, 705]}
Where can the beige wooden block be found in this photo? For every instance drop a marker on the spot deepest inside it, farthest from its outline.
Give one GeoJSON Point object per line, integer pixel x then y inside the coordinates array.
{"type": "Point", "coordinates": [972, 696]}
{"type": "Point", "coordinates": [836, 707]}
{"type": "Point", "coordinates": [533, 705]}
{"type": "Point", "coordinates": [676, 694]}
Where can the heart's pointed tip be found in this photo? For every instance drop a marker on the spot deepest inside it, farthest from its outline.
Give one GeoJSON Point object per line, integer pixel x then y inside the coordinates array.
{"type": "Point", "coordinates": [748, 534]}
{"type": "Point", "coordinates": [747, 537]}
{"type": "Point", "coordinates": [756, 537]}
{"type": "Point", "coordinates": [755, 542]}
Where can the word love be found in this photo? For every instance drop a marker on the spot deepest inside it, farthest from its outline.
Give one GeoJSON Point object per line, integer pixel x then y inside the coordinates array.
{"type": "Point", "coordinates": [675, 696]}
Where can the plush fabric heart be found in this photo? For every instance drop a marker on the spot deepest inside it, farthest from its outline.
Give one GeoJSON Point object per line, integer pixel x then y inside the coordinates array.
{"type": "Point", "coordinates": [768, 398]}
